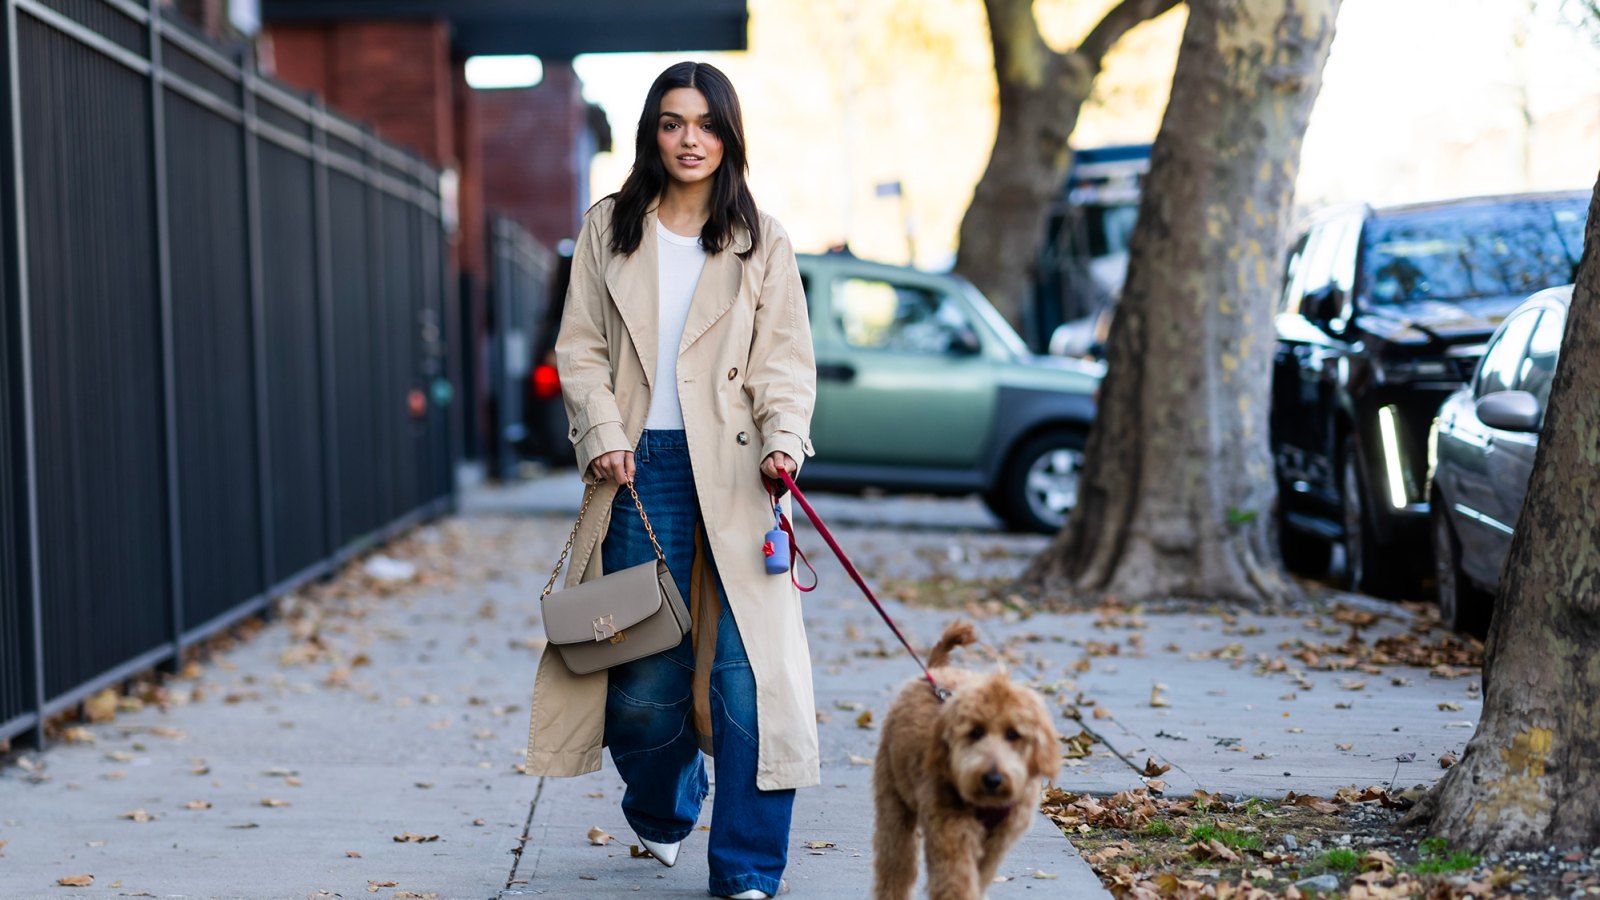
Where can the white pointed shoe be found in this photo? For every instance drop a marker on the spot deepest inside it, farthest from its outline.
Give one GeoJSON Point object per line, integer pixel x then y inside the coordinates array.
{"type": "Point", "coordinates": [751, 894]}
{"type": "Point", "coordinates": [666, 854]}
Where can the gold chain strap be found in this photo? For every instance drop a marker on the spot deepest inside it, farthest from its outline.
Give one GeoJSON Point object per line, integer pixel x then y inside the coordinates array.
{"type": "Point", "coordinates": [588, 495]}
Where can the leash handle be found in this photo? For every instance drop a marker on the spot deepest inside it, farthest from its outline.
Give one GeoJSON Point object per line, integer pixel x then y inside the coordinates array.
{"type": "Point", "coordinates": [850, 567]}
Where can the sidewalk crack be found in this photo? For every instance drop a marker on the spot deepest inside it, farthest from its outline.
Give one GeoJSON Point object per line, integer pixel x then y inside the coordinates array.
{"type": "Point", "coordinates": [522, 840]}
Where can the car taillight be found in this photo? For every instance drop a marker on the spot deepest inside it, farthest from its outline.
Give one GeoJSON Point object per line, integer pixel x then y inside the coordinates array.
{"type": "Point", "coordinates": [546, 382]}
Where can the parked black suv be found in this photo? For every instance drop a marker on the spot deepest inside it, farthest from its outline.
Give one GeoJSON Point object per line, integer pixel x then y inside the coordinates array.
{"type": "Point", "coordinates": [1385, 312]}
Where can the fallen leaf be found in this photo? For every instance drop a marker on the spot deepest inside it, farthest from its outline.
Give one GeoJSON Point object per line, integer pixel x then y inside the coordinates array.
{"type": "Point", "coordinates": [1315, 803]}
{"type": "Point", "coordinates": [78, 735]}
{"type": "Point", "coordinates": [820, 845]}
{"type": "Point", "coordinates": [1157, 786]}
{"type": "Point", "coordinates": [138, 815]}
{"type": "Point", "coordinates": [1296, 730]}
{"type": "Point", "coordinates": [1100, 712]}
{"type": "Point", "coordinates": [408, 895]}
{"type": "Point", "coordinates": [865, 719]}
{"type": "Point", "coordinates": [409, 837]}
{"type": "Point", "coordinates": [1157, 698]}
{"type": "Point", "coordinates": [860, 760]}
{"type": "Point", "coordinates": [1153, 768]}
{"type": "Point", "coordinates": [102, 707]}
{"type": "Point", "coordinates": [76, 881]}
{"type": "Point", "coordinates": [1042, 875]}
{"type": "Point", "coordinates": [1450, 706]}
{"type": "Point", "coordinates": [1212, 849]}
{"type": "Point", "coordinates": [1448, 759]}
{"type": "Point", "coordinates": [598, 837]}
{"type": "Point", "coordinates": [351, 854]}
{"type": "Point", "coordinates": [479, 822]}
{"type": "Point", "coordinates": [275, 803]}
{"type": "Point", "coordinates": [197, 804]}
{"type": "Point", "coordinates": [373, 886]}
{"type": "Point", "coordinates": [165, 732]}
{"type": "Point", "coordinates": [1344, 746]}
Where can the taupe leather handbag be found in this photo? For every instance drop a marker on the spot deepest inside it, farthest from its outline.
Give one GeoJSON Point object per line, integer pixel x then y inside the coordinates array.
{"type": "Point", "coordinates": [617, 618]}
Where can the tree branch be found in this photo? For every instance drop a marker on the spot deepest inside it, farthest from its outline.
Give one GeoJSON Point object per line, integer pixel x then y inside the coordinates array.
{"type": "Point", "coordinates": [1020, 53]}
{"type": "Point", "coordinates": [1119, 21]}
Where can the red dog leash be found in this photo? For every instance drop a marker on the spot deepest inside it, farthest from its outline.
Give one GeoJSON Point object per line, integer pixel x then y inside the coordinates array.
{"type": "Point", "coordinates": [849, 567]}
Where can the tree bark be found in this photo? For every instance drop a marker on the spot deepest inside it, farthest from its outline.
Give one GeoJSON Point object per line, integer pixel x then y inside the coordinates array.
{"type": "Point", "coordinates": [1530, 776]}
{"type": "Point", "coordinates": [1041, 91]}
{"type": "Point", "coordinates": [1177, 494]}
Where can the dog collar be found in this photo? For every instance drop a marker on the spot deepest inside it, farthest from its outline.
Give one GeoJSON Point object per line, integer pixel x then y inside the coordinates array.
{"type": "Point", "coordinates": [992, 816]}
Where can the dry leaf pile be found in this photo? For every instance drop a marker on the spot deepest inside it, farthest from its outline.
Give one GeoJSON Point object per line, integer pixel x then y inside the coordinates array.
{"type": "Point", "coordinates": [1146, 847]}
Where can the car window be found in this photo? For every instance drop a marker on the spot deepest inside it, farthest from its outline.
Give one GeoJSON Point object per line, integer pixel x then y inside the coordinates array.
{"type": "Point", "coordinates": [1290, 302]}
{"type": "Point", "coordinates": [1467, 252]}
{"type": "Point", "coordinates": [1538, 367]}
{"type": "Point", "coordinates": [1320, 252]}
{"type": "Point", "coordinates": [1504, 357]}
{"type": "Point", "coordinates": [879, 315]}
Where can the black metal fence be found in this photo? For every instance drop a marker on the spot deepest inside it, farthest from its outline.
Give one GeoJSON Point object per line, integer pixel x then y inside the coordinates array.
{"type": "Point", "coordinates": [221, 328]}
{"type": "Point", "coordinates": [521, 270]}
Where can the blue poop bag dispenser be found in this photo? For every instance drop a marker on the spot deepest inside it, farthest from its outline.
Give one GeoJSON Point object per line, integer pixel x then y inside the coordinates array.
{"type": "Point", "coordinates": [775, 546]}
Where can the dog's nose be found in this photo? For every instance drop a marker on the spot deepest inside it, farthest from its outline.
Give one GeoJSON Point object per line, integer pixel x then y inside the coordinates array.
{"type": "Point", "coordinates": [992, 781]}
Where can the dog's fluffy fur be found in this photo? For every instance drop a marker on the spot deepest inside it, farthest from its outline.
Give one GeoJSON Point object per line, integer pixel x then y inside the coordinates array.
{"type": "Point", "coordinates": [963, 777]}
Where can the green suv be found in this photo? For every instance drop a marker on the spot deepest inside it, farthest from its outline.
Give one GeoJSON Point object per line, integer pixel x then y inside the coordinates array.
{"type": "Point", "coordinates": [923, 387]}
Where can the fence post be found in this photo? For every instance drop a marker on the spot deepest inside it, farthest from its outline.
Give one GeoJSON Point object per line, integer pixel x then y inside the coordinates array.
{"type": "Point", "coordinates": [17, 249]}
{"type": "Point", "coordinates": [384, 494]}
{"type": "Point", "coordinates": [323, 234]}
{"type": "Point", "coordinates": [258, 320]}
{"type": "Point", "coordinates": [169, 392]}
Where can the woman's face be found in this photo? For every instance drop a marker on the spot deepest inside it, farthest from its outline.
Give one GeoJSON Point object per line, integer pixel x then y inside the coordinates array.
{"type": "Point", "coordinates": [690, 145]}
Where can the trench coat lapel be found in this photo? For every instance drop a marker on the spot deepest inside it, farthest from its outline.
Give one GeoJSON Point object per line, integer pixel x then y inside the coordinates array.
{"type": "Point", "coordinates": [717, 289]}
{"type": "Point", "coordinates": [633, 283]}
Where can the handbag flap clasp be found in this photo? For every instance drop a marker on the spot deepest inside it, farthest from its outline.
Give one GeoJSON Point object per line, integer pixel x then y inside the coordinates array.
{"type": "Point", "coordinates": [599, 610]}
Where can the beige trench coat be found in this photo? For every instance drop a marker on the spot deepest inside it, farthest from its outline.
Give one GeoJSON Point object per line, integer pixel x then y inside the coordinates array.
{"type": "Point", "coordinates": [747, 384]}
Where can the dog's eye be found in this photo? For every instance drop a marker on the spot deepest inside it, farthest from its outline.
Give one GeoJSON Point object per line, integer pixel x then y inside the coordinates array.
{"type": "Point", "coordinates": [1013, 735]}
{"type": "Point", "coordinates": [976, 734]}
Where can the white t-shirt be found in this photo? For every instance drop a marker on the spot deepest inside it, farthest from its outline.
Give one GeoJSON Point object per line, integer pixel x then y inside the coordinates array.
{"type": "Point", "coordinates": [680, 261]}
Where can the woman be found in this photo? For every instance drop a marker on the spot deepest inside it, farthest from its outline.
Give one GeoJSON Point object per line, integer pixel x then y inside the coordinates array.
{"type": "Point", "coordinates": [687, 369]}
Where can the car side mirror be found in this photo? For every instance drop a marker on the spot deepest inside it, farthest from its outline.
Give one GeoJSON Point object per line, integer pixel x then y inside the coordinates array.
{"type": "Point", "coordinates": [1323, 304]}
{"type": "Point", "coordinates": [1510, 411]}
{"type": "Point", "coordinates": [965, 343]}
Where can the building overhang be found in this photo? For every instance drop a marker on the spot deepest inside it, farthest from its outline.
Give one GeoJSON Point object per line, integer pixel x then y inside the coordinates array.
{"type": "Point", "coordinates": [554, 29]}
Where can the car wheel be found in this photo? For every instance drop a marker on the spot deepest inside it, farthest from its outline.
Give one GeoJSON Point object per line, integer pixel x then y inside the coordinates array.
{"type": "Point", "coordinates": [1357, 542]}
{"type": "Point", "coordinates": [1462, 606]}
{"type": "Point", "coordinates": [1040, 486]}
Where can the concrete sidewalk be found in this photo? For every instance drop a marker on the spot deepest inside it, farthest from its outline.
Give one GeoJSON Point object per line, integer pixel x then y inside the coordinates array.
{"type": "Point", "coordinates": [307, 751]}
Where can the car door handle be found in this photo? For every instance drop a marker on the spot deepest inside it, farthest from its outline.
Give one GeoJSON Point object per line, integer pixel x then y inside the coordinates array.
{"type": "Point", "coordinates": [836, 371]}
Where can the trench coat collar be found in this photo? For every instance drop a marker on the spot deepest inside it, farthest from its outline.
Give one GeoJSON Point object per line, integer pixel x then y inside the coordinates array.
{"type": "Point", "coordinates": [634, 283]}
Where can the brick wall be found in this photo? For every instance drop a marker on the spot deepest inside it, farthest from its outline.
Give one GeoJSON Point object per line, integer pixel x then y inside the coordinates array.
{"type": "Point", "coordinates": [395, 73]}
{"type": "Point", "coordinates": [531, 166]}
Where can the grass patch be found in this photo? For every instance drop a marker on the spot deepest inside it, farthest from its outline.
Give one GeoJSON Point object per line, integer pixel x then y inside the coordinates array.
{"type": "Point", "coordinates": [1160, 828]}
{"type": "Point", "coordinates": [1439, 859]}
{"type": "Point", "coordinates": [1233, 840]}
{"type": "Point", "coordinates": [1339, 859]}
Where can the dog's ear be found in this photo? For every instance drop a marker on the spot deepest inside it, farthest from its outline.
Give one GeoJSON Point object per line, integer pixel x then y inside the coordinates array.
{"type": "Point", "coordinates": [1045, 760]}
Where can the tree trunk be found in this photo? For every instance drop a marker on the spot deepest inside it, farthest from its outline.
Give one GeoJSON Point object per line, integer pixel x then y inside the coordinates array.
{"type": "Point", "coordinates": [1177, 494]}
{"type": "Point", "coordinates": [1529, 775]}
{"type": "Point", "coordinates": [1041, 92]}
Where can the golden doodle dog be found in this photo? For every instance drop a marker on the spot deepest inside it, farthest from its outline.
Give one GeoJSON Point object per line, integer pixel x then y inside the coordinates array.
{"type": "Point", "coordinates": [963, 776]}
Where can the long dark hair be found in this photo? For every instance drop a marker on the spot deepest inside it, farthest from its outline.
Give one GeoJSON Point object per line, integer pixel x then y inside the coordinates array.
{"type": "Point", "coordinates": [731, 202]}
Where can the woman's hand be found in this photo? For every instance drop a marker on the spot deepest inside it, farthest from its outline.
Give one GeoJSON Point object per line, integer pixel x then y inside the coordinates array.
{"type": "Point", "coordinates": [778, 461]}
{"type": "Point", "coordinates": [614, 466]}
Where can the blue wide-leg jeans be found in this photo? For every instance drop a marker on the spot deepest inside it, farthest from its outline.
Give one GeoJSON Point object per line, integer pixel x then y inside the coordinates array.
{"type": "Point", "coordinates": [650, 704]}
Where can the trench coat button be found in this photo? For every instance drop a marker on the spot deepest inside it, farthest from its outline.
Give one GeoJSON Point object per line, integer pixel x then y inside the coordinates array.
{"type": "Point", "coordinates": [743, 438]}
{"type": "Point", "coordinates": [732, 373]}
{"type": "Point", "coordinates": [574, 432]}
